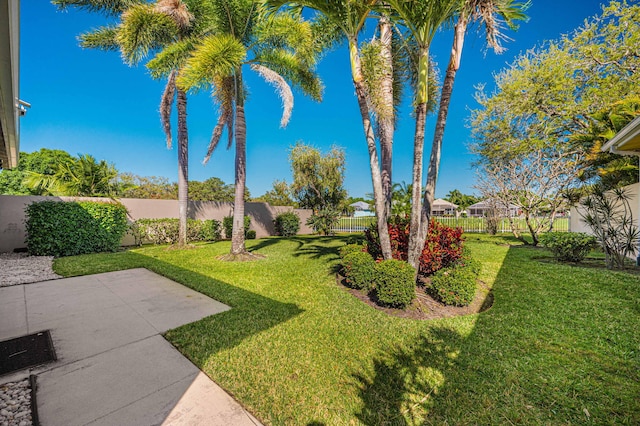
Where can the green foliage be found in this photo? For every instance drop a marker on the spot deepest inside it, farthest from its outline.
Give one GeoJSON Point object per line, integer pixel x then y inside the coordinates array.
{"type": "Point", "coordinates": [287, 224]}
{"type": "Point", "coordinates": [394, 283]}
{"type": "Point", "coordinates": [227, 225]}
{"type": "Point", "coordinates": [461, 200]}
{"type": "Point", "coordinates": [455, 285]}
{"type": "Point", "coordinates": [324, 220]}
{"type": "Point", "coordinates": [166, 230]}
{"type": "Point", "coordinates": [147, 187]}
{"type": "Point", "coordinates": [250, 234]}
{"type": "Point", "coordinates": [280, 195]}
{"type": "Point", "coordinates": [359, 270]}
{"type": "Point", "coordinates": [318, 178]}
{"type": "Point", "coordinates": [351, 248]}
{"type": "Point", "coordinates": [71, 228]}
{"type": "Point", "coordinates": [568, 246]}
{"type": "Point", "coordinates": [45, 162]}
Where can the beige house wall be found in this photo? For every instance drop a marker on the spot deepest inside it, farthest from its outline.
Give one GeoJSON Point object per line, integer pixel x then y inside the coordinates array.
{"type": "Point", "coordinates": [12, 216]}
{"type": "Point", "coordinates": [578, 225]}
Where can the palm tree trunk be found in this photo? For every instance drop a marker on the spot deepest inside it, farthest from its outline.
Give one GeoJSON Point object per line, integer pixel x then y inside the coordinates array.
{"type": "Point", "coordinates": [386, 124]}
{"type": "Point", "coordinates": [415, 248]}
{"type": "Point", "coordinates": [183, 167]}
{"type": "Point", "coordinates": [376, 178]}
{"type": "Point", "coordinates": [436, 146]}
{"type": "Point", "coordinates": [237, 235]}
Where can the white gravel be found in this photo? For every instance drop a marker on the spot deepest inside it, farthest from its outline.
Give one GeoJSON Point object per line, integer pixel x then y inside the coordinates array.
{"type": "Point", "coordinates": [15, 404]}
{"type": "Point", "coordinates": [20, 268]}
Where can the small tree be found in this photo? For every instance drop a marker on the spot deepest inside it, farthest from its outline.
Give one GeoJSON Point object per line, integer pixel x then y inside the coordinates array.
{"type": "Point", "coordinates": [609, 215]}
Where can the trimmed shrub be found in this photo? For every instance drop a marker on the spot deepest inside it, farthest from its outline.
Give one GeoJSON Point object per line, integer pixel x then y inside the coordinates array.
{"type": "Point", "coordinates": [350, 248]}
{"type": "Point", "coordinates": [455, 285]}
{"type": "Point", "coordinates": [359, 270]}
{"type": "Point", "coordinates": [394, 283]}
{"type": "Point", "coordinates": [57, 228]}
{"type": "Point", "coordinates": [443, 247]}
{"type": "Point", "coordinates": [287, 224]}
{"type": "Point", "coordinates": [568, 246]}
{"type": "Point", "coordinates": [250, 235]}
{"type": "Point", "coordinates": [166, 230]}
{"type": "Point", "coordinates": [227, 224]}
{"type": "Point", "coordinates": [324, 220]}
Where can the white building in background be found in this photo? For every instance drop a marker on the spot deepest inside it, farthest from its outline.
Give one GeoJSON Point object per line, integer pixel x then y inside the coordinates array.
{"type": "Point", "coordinates": [361, 209]}
{"type": "Point", "coordinates": [442, 207]}
{"type": "Point", "coordinates": [481, 208]}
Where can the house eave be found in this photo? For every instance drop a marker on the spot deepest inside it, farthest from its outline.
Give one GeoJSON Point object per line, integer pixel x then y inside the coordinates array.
{"type": "Point", "coordinates": [9, 83]}
{"type": "Point", "coordinates": [626, 141]}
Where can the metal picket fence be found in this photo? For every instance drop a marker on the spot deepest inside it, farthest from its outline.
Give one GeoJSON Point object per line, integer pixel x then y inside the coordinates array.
{"type": "Point", "coordinates": [468, 224]}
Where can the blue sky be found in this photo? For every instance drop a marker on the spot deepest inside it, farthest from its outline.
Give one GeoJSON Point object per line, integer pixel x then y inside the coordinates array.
{"type": "Point", "coordinates": [86, 101]}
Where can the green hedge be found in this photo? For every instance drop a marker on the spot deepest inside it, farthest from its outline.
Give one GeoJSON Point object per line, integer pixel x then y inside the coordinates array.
{"type": "Point", "coordinates": [456, 285]}
{"type": "Point", "coordinates": [395, 285]}
{"type": "Point", "coordinates": [56, 228]}
{"type": "Point", "coordinates": [359, 270]}
{"type": "Point", "coordinates": [227, 224]}
{"type": "Point", "coordinates": [568, 246]}
{"type": "Point", "coordinates": [351, 248]}
{"type": "Point", "coordinates": [166, 230]}
{"type": "Point", "coordinates": [287, 224]}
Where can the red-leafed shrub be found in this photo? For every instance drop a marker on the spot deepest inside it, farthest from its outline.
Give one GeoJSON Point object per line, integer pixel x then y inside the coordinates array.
{"type": "Point", "coordinates": [443, 247]}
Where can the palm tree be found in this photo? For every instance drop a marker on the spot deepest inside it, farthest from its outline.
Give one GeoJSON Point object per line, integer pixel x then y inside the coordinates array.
{"type": "Point", "coordinates": [166, 26]}
{"type": "Point", "coordinates": [278, 47]}
{"type": "Point", "coordinates": [486, 11]}
{"type": "Point", "coordinates": [348, 18]}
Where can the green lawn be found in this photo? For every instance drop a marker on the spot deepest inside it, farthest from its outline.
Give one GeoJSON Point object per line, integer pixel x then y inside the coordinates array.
{"type": "Point", "coordinates": [560, 345]}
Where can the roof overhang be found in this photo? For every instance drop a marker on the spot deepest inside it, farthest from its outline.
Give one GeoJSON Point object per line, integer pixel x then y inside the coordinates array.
{"type": "Point", "coordinates": [9, 83]}
{"type": "Point", "coordinates": [626, 141]}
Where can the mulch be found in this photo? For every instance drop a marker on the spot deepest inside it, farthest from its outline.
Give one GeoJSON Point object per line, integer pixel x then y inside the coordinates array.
{"type": "Point", "coordinates": [424, 307]}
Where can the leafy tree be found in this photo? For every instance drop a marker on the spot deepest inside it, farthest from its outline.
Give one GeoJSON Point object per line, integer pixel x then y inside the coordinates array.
{"type": "Point", "coordinates": [279, 47]}
{"type": "Point", "coordinates": [146, 187]}
{"type": "Point", "coordinates": [279, 195]}
{"type": "Point", "coordinates": [212, 189]}
{"type": "Point", "coordinates": [462, 200]}
{"type": "Point", "coordinates": [84, 177]}
{"type": "Point", "coordinates": [318, 178]}
{"type": "Point", "coordinates": [43, 162]}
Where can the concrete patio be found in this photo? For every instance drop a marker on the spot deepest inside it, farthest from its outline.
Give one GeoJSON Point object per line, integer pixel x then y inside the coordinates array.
{"type": "Point", "coordinates": [113, 366]}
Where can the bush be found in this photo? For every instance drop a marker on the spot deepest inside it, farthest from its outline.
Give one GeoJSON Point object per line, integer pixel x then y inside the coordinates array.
{"type": "Point", "coordinates": [351, 248]}
{"type": "Point", "coordinates": [323, 221]}
{"type": "Point", "coordinates": [250, 235]}
{"type": "Point", "coordinates": [359, 270]}
{"type": "Point", "coordinates": [227, 224]}
{"type": "Point", "coordinates": [568, 246]}
{"type": "Point", "coordinates": [57, 228]}
{"type": "Point", "coordinates": [455, 285]}
{"type": "Point", "coordinates": [444, 245]}
{"type": "Point", "coordinates": [394, 283]}
{"type": "Point", "coordinates": [287, 224]}
{"type": "Point", "coordinates": [166, 230]}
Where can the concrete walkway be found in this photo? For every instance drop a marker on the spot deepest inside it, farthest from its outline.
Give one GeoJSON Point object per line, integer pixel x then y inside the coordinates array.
{"type": "Point", "coordinates": [114, 367]}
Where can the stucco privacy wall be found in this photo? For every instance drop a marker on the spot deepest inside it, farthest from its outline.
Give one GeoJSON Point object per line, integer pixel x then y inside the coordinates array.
{"type": "Point", "coordinates": [578, 225]}
{"type": "Point", "coordinates": [12, 217]}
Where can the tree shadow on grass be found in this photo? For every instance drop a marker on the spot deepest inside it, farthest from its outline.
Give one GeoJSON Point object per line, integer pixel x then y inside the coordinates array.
{"type": "Point", "coordinates": [536, 357]}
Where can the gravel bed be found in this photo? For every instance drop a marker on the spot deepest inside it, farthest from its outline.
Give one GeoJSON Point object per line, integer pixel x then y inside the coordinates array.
{"type": "Point", "coordinates": [20, 268]}
{"type": "Point", "coordinates": [15, 404]}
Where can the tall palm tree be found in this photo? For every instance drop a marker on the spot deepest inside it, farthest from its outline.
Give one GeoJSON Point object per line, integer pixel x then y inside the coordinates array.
{"type": "Point", "coordinates": [278, 47]}
{"type": "Point", "coordinates": [487, 12]}
{"type": "Point", "coordinates": [166, 25]}
{"type": "Point", "coordinates": [349, 17]}
{"type": "Point", "coordinates": [421, 19]}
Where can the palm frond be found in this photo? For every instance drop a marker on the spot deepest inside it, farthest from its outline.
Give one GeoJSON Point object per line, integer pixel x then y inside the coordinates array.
{"type": "Point", "coordinates": [282, 88]}
{"type": "Point", "coordinates": [106, 7]}
{"type": "Point", "coordinates": [165, 106]}
{"type": "Point", "coordinates": [177, 10]}
{"type": "Point", "coordinates": [297, 72]}
{"type": "Point", "coordinates": [103, 38]}
{"type": "Point", "coordinates": [215, 56]}
{"type": "Point", "coordinates": [172, 57]}
{"type": "Point", "coordinates": [286, 31]}
{"type": "Point", "coordinates": [143, 29]}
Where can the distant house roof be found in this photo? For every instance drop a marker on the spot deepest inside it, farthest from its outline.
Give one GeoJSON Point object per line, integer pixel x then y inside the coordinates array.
{"type": "Point", "coordinates": [9, 66]}
{"type": "Point", "coordinates": [360, 205]}
{"type": "Point", "coordinates": [443, 204]}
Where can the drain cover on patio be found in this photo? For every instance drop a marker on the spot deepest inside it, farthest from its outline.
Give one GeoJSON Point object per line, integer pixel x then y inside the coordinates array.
{"type": "Point", "coordinates": [26, 351]}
